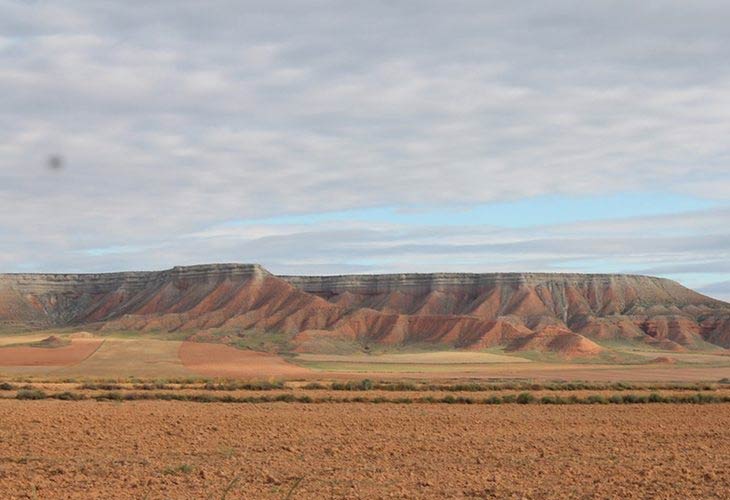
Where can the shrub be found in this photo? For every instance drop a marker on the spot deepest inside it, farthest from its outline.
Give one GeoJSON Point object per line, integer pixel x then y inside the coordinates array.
{"type": "Point", "coordinates": [362, 385]}
{"type": "Point", "coordinates": [493, 400]}
{"type": "Point", "coordinates": [100, 386]}
{"type": "Point", "coordinates": [616, 399]}
{"type": "Point", "coordinates": [287, 398]}
{"type": "Point", "coordinates": [152, 386]}
{"type": "Point", "coordinates": [69, 396]}
{"type": "Point", "coordinates": [596, 399]}
{"type": "Point", "coordinates": [203, 398]}
{"type": "Point", "coordinates": [7, 387]}
{"type": "Point", "coordinates": [110, 396]}
{"type": "Point", "coordinates": [655, 397]}
{"type": "Point", "coordinates": [704, 398]}
{"type": "Point", "coordinates": [633, 398]}
{"type": "Point", "coordinates": [465, 388]}
{"type": "Point", "coordinates": [525, 398]}
{"type": "Point", "coordinates": [366, 384]}
{"type": "Point", "coordinates": [31, 394]}
{"type": "Point", "coordinates": [233, 385]}
{"type": "Point", "coordinates": [400, 386]}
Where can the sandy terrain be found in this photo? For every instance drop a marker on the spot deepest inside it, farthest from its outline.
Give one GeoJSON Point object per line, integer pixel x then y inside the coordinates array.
{"type": "Point", "coordinates": [77, 351]}
{"type": "Point", "coordinates": [155, 450]}
{"type": "Point", "coordinates": [217, 360]}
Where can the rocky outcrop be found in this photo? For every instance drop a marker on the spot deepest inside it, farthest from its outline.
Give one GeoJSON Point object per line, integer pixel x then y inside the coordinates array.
{"type": "Point", "coordinates": [566, 313]}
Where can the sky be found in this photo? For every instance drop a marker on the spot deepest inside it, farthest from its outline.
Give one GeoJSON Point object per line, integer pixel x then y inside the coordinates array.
{"type": "Point", "coordinates": [328, 137]}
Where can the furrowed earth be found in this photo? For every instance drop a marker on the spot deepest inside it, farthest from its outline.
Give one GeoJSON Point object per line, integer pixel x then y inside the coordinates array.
{"type": "Point", "coordinates": [226, 381]}
{"type": "Point", "coordinates": [156, 450]}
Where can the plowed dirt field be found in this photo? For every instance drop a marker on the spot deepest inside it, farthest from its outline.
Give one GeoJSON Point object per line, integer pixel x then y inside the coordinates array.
{"type": "Point", "coordinates": [156, 449]}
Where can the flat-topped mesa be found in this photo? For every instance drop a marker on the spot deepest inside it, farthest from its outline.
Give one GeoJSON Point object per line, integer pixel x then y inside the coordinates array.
{"type": "Point", "coordinates": [130, 281]}
{"type": "Point", "coordinates": [651, 289]}
{"type": "Point", "coordinates": [68, 299]}
{"type": "Point", "coordinates": [385, 282]}
{"type": "Point", "coordinates": [465, 310]}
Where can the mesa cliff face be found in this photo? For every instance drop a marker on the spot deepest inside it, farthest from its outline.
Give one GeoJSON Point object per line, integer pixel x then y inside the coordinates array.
{"type": "Point", "coordinates": [566, 313]}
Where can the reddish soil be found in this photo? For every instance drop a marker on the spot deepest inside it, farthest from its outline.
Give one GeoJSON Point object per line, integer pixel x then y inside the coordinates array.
{"type": "Point", "coordinates": [558, 340]}
{"type": "Point", "coordinates": [174, 450]}
{"type": "Point", "coordinates": [218, 360]}
{"type": "Point", "coordinates": [77, 351]}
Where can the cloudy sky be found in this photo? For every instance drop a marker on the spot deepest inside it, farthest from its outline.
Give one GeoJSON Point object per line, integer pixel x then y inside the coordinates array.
{"type": "Point", "coordinates": [382, 136]}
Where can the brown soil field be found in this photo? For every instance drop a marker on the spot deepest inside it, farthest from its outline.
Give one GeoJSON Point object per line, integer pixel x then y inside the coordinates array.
{"type": "Point", "coordinates": [218, 360]}
{"type": "Point", "coordinates": [156, 450]}
{"type": "Point", "coordinates": [129, 358]}
{"type": "Point", "coordinates": [157, 358]}
{"type": "Point", "coordinates": [77, 351]}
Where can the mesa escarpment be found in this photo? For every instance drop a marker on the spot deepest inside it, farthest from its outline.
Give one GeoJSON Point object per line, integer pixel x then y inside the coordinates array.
{"type": "Point", "coordinates": [566, 313]}
{"type": "Point", "coordinates": [52, 300]}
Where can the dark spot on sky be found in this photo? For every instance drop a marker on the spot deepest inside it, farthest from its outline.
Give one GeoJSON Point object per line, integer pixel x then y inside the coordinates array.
{"type": "Point", "coordinates": [55, 162]}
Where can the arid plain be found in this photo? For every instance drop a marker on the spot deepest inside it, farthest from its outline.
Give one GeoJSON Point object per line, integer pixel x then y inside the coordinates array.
{"type": "Point", "coordinates": [228, 382]}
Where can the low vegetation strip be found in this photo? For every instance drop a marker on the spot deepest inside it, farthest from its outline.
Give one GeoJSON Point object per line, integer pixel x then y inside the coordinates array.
{"type": "Point", "coordinates": [227, 385]}
{"type": "Point", "coordinates": [367, 384]}
{"type": "Point", "coordinates": [521, 398]}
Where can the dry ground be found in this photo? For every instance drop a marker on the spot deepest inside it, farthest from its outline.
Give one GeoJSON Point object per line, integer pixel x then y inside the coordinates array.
{"type": "Point", "coordinates": [218, 360]}
{"type": "Point", "coordinates": [155, 450]}
{"type": "Point", "coordinates": [130, 358]}
{"type": "Point", "coordinates": [436, 358]}
{"type": "Point", "coordinates": [77, 351]}
{"type": "Point", "coordinates": [158, 358]}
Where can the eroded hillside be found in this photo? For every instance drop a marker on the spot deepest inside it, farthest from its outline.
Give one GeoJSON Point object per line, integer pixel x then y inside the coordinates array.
{"type": "Point", "coordinates": [570, 314]}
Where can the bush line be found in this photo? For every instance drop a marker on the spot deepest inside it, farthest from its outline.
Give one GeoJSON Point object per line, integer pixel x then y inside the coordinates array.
{"type": "Point", "coordinates": [524, 398]}
{"type": "Point", "coordinates": [367, 385]}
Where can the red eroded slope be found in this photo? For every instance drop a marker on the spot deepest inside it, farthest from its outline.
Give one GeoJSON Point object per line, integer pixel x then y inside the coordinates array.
{"type": "Point", "coordinates": [560, 312]}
